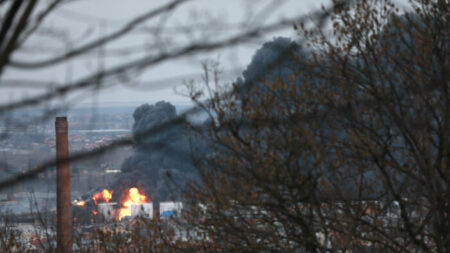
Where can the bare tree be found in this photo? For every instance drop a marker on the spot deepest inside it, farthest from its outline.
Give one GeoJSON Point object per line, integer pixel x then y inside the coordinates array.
{"type": "Point", "coordinates": [25, 33]}
{"type": "Point", "coordinates": [30, 44]}
{"type": "Point", "coordinates": [340, 146]}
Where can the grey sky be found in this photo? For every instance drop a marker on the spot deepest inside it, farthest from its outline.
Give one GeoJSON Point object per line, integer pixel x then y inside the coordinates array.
{"type": "Point", "coordinates": [85, 20]}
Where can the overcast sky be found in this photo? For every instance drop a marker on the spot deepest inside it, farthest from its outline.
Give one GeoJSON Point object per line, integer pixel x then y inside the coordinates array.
{"type": "Point", "coordinates": [84, 20]}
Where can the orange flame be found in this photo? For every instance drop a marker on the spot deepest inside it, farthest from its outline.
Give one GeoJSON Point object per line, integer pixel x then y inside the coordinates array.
{"type": "Point", "coordinates": [106, 195]}
{"type": "Point", "coordinates": [134, 197]}
{"type": "Point", "coordinates": [80, 203]}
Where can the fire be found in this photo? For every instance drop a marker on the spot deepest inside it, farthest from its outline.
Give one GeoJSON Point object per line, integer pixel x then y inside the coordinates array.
{"type": "Point", "coordinates": [80, 203]}
{"type": "Point", "coordinates": [134, 197]}
{"type": "Point", "coordinates": [106, 195]}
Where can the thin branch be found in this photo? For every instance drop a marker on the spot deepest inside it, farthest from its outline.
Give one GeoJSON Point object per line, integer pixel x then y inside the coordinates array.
{"type": "Point", "coordinates": [146, 62]}
{"type": "Point", "coordinates": [97, 43]}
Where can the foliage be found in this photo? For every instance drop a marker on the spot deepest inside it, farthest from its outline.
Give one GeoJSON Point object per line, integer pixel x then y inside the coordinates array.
{"type": "Point", "coordinates": [347, 150]}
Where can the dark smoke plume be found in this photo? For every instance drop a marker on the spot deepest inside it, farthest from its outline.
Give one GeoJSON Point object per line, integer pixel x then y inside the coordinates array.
{"type": "Point", "coordinates": [277, 58]}
{"type": "Point", "coordinates": [159, 160]}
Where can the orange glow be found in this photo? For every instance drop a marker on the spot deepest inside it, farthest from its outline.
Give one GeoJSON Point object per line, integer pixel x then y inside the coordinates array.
{"type": "Point", "coordinates": [134, 197]}
{"type": "Point", "coordinates": [80, 203]}
{"type": "Point", "coordinates": [94, 212]}
{"type": "Point", "coordinates": [106, 195]}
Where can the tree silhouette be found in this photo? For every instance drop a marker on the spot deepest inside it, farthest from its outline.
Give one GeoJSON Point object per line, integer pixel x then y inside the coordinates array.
{"type": "Point", "coordinates": [345, 148]}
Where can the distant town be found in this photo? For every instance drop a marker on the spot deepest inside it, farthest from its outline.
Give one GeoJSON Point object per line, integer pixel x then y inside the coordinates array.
{"type": "Point", "coordinates": [27, 147]}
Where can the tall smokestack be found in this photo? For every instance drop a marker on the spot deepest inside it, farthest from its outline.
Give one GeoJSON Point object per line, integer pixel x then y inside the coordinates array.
{"type": "Point", "coordinates": [63, 205]}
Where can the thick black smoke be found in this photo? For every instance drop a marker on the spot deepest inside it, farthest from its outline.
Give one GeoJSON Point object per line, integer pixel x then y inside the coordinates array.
{"type": "Point", "coordinates": [283, 58]}
{"type": "Point", "coordinates": [161, 163]}
{"type": "Point", "coordinates": [278, 58]}
{"type": "Point", "coordinates": [166, 158]}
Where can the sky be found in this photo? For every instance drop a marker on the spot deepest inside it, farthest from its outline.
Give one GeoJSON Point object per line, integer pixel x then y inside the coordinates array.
{"type": "Point", "coordinates": [84, 20]}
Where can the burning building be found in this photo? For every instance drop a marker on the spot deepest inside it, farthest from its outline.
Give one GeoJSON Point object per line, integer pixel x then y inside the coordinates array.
{"type": "Point", "coordinates": [132, 197]}
{"type": "Point", "coordinates": [131, 202]}
{"type": "Point", "coordinates": [159, 158]}
{"type": "Point", "coordinates": [158, 161]}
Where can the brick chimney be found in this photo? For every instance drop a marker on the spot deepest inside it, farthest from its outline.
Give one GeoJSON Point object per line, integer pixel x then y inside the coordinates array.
{"type": "Point", "coordinates": [63, 203]}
